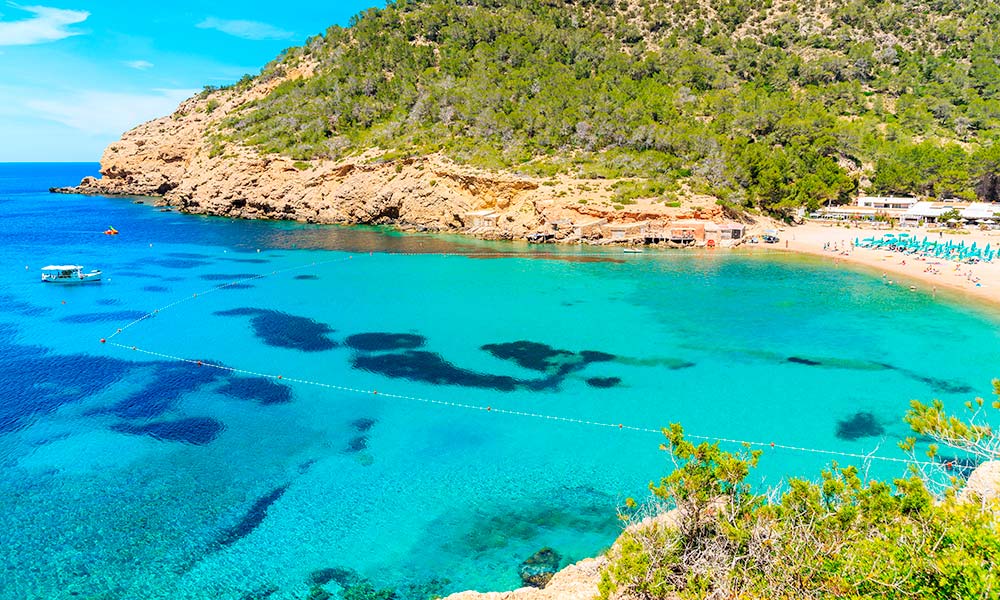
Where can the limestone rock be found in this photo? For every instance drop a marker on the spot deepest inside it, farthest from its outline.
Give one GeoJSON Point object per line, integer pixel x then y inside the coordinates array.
{"type": "Point", "coordinates": [575, 582]}
{"type": "Point", "coordinates": [983, 484]}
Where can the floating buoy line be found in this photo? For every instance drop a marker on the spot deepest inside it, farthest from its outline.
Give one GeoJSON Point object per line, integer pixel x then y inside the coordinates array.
{"type": "Point", "coordinates": [110, 341]}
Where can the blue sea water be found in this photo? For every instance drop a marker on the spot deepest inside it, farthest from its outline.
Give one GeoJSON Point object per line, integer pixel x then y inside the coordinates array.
{"type": "Point", "coordinates": [129, 474]}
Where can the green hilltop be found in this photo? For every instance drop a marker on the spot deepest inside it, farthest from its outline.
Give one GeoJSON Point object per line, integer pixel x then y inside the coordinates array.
{"type": "Point", "coordinates": [763, 104]}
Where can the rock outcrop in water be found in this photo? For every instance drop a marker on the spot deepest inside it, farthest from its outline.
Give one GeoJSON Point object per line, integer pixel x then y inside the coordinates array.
{"type": "Point", "coordinates": [181, 159]}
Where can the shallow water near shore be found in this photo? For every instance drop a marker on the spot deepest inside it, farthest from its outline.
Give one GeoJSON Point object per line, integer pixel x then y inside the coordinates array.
{"type": "Point", "coordinates": [133, 475]}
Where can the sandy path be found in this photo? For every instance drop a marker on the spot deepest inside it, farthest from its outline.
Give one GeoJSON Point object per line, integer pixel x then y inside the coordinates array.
{"type": "Point", "coordinates": [917, 271]}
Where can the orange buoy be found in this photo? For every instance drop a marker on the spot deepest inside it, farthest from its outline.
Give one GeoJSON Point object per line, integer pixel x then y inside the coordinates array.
{"type": "Point", "coordinates": [103, 340]}
{"type": "Point", "coordinates": [772, 444]}
{"type": "Point", "coordinates": [489, 408]}
{"type": "Point", "coordinates": [279, 376]}
{"type": "Point", "coordinates": [199, 363]}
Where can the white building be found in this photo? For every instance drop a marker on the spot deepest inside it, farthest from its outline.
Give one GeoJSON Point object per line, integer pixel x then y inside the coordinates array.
{"type": "Point", "coordinates": [886, 202]}
{"type": "Point", "coordinates": [923, 213]}
{"type": "Point", "coordinates": [867, 208]}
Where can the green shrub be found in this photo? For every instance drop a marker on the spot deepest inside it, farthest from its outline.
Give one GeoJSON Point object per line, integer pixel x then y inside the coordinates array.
{"type": "Point", "coordinates": [839, 537]}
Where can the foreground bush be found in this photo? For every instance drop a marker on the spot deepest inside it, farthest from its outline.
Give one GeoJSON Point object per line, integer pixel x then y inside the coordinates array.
{"type": "Point", "coordinates": [840, 537]}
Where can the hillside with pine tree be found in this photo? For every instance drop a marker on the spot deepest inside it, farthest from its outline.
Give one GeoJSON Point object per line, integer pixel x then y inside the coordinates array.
{"type": "Point", "coordinates": [769, 104]}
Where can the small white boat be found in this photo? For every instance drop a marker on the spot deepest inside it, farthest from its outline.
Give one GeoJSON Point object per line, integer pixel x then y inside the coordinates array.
{"type": "Point", "coordinates": [633, 250]}
{"type": "Point", "coordinates": [69, 274]}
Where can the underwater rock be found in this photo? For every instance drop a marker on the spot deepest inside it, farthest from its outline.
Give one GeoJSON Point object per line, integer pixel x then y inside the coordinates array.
{"type": "Point", "coordinates": [179, 263]}
{"type": "Point", "coordinates": [353, 585]}
{"type": "Point", "coordinates": [318, 593]}
{"type": "Point", "coordinates": [538, 569]}
{"type": "Point", "coordinates": [363, 424]}
{"type": "Point", "coordinates": [530, 355]}
{"type": "Point", "coordinates": [122, 316]}
{"type": "Point", "coordinates": [252, 518]}
{"type": "Point", "coordinates": [357, 444]}
{"type": "Point", "coordinates": [236, 286]}
{"type": "Point", "coordinates": [155, 288]}
{"type": "Point", "coordinates": [261, 593]}
{"type": "Point", "coordinates": [250, 261]}
{"type": "Point", "coordinates": [603, 382]}
{"type": "Point", "coordinates": [169, 381]}
{"type": "Point", "coordinates": [860, 425]}
{"type": "Point", "coordinates": [591, 356]}
{"type": "Point", "coordinates": [546, 359]}
{"type": "Point", "coordinates": [803, 361]}
{"type": "Point", "coordinates": [380, 342]}
{"type": "Point", "coordinates": [306, 277]}
{"type": "Point", "coordinates": [419, 365]}
{"type": "Point", "coordinates": [229, 276]}
{"type": "Point", "coordinates": [258, 389]}
{"type": "Point", "coordinates": [283, 330]}
{"type": "Point", "coordinates": [341, 575]}
{"type": "Point", "coordinates": [193, 430]}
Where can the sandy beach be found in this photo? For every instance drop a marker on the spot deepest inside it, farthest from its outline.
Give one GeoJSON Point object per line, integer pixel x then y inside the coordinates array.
{"type": "Point", "coordinates": [976, 282]}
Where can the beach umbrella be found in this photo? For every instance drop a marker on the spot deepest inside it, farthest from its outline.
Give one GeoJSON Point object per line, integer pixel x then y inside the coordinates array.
{"type": "Point", "coordinates": [951, 221]}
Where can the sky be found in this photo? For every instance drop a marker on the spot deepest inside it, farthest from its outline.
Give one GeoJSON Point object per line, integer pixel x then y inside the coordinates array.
{"type": "Point", "coordinates": [76, 75]}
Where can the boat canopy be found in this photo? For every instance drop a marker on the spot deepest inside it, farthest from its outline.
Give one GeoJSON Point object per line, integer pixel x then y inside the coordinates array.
{"type": "Point", "coordinates": [62, 268]}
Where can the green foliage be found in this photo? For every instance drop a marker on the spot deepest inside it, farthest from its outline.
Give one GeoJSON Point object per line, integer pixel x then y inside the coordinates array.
{"type": "Point", "coordinates": [763, 108]}
{"type": "Point", "coordinates": [970, 435]}
{"type": "Point", "coordinates": [837, 537]}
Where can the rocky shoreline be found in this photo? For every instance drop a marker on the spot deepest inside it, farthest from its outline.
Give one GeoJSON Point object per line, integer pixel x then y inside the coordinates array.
{"type": "Point", "coordinates": [184, 160]}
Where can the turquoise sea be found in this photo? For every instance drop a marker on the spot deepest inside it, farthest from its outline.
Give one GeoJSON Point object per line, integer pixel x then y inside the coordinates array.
{"type": "Point", "coordinates": [128, 474]}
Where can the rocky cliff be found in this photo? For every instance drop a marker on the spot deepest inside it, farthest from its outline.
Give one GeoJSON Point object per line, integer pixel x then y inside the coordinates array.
{"type": "Point", "coordinates": [182, 159]}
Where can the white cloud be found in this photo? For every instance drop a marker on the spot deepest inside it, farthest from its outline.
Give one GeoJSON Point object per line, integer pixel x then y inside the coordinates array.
{"type": "Point", "coordinates": [141, 65]}
{"type": "Point", "coordinates": [108, 113]}
{"type": "Point", "coordinates": [47, 25]}
{"type": "Point", "coordinates": [248, 30]}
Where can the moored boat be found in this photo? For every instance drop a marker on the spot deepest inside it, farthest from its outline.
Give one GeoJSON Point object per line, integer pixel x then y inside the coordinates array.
{"type": "Point", "coordinates": [69, 274]}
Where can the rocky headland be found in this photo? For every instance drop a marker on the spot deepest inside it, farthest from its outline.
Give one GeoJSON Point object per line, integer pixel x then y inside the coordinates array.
{"type": "Point", "coordinates": [184, 161]}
